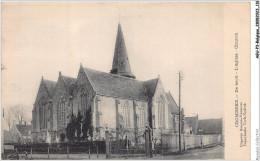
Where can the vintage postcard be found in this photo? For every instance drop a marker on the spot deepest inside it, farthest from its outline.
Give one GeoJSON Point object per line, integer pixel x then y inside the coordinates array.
{"type": "Point", "coordinates": [126, 80]}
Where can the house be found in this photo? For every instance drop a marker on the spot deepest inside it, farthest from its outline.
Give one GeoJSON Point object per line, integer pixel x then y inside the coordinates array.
{"type": "Point", "coordinates": [191, 124]}
{"type": "Point", "coordinates": [210, 126]}
{"type": "Point", "coordinates": [7, 137]}
{"type": "Point", "coordinates": [21, 133]}
{"type": "Point", "coordinates": [174, 113]}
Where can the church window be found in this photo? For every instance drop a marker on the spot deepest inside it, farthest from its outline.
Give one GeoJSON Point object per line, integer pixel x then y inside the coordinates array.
{"type": "Point", "coordinates": [124, 113]}
{"type": "Point", "coordinates": [62, 112]}
{"type": "Point", "coordinates": [141, 116]}
{"type": "Point", "coordinates": [43, 113]}
{"type": "Point", "coordinates": [83, 101]}
{"type": "Point", "coordinates": [45, 117]}
{"type": "Point", "coordinates": [161, 107]}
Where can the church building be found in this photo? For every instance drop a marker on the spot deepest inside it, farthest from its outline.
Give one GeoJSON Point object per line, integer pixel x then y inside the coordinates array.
{"type": "Point", "coordinates": [115, 100]}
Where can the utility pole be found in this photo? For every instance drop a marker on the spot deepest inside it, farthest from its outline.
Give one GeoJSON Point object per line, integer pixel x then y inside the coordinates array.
{"type": "Point", "coordinates": [180, 79]}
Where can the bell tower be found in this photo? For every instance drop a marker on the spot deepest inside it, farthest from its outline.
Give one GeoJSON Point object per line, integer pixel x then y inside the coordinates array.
{"type": "Point", "coordinates": [121, 65]}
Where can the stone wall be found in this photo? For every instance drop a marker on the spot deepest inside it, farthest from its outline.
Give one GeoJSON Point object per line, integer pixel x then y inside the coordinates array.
{"type": "Point", "coordinates": [170, 142]}
{"type": "Point", "coordinates": [157, 100]}
{"type": "Point", "coordinates": [42, 95]}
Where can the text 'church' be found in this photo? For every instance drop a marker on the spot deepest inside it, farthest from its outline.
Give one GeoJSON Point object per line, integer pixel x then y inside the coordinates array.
{"type": "Point", "coordinates": [97, 100]}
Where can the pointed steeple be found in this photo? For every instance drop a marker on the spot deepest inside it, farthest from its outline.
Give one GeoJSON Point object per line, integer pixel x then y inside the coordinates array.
{"type": "Point", "coordinates": [121, 65]}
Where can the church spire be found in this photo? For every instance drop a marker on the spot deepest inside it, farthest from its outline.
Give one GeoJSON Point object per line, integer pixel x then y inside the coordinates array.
{"type": "Point", "coordinates": [121, 65]}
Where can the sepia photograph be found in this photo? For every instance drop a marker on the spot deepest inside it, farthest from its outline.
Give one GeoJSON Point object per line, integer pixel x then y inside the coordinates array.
{"type": "Point", "coordinates": [124, 80]}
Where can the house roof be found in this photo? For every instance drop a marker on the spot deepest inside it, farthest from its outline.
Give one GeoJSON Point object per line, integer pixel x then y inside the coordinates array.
{"type": "Point", "coordinates": [7, 137]}
{"type": "Point", "coordinates": [117, 86]}
{"type": "Point", "coordinates": [192, 121]}
{"type": "Point", "coordinates": [24, 129]}
{"type": "Point", "coordinates": [172, 104]}
{"type": "Point", "coordinates": [210, 126]}
{"type": "Point", "coordinates": [50, 85]}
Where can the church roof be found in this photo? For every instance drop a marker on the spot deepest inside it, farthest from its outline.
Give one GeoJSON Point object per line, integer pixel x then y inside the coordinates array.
{"type": "Point", "coordinates": [172, 104]}
{"type": "Point", "coordinates": [150, 86]}
{"type": "Point", "coordinates": [121, 65]}
{"type": "Point", "coordinates": [50, 85]}
{"type": "Point", "coordinates": [116, 86]}
{"type": "Point", "coordinates": [70, 82]}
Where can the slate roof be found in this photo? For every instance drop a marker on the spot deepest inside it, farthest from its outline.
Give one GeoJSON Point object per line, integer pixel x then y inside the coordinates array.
{"type": "Point", "coordinates": [210, 126]}
{"type": "Point", "coordinates": [172, 104]}
{"type": "Point", "coordinates": [70, 82]}
{"type": "Point", "coordinates": [24, 129]}
{"type": "Point", "coordinates": [121, 65]}
{"type": "Point", "coordinates": [50, 85]}
{"type": "Point", "coordinates": [7, 137]}
{"type": "Point", "coordinates": [117, 86]}
{"type": "Point", "coordinates": [192, 121]}
{"type": "Point", "coordinates": [150, 86]}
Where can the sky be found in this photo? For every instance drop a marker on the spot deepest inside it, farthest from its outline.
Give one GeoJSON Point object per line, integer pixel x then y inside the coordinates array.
{"type": "Point", "coordinates": [41, 39]}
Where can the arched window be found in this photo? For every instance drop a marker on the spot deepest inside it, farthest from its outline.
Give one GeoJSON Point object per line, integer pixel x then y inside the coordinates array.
{"type": "Point", "coordinates": [161, 107]}
{"type": "Point", "coordinates": [83, 101]}
{"type": "Point", "coordinates": [124, 112]}
{"type": "Point", "coordinates": [62, 112]}
{"type": "Point", "coordinates": [43, 113]}
{"type": "Point", "coordinates": [141, 115]}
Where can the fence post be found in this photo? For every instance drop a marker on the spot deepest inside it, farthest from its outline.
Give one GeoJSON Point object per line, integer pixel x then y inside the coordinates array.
{"type": "Point", "coordinates": [89, 152]}
{"type": "Point", "coordinates": [17, 153]}
{"type": "Point", "coordinates": [201, 141]}
{"type": "Point", "coordinates": [31, 152]}
{"type": "Point", "coordinates": [68, 152]}
{"type": "Point", "coordinates": [134, 150]}
{"type": "Point", "coordinates": [161, 146]}
{"type": "Point", "coordinates": [148, 141]}
{"type": "Point", "coordinates": [155, 147]}
{"type": "Point", "coordinates": [97, 151]}
{"type": "Point", "coordinates": [183, 141]}
{"type": "Point", "coordinates": [48, 152]}
{"type": "Point", "coordinates": [107, 144]}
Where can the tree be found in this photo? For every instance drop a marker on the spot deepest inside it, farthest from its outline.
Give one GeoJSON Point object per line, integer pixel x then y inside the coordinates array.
{"type": "Point", "coordinates": [87, 128]}
{"type": "Point", "coordinates": [17, 114]}
{"type": "Point", "coordinates": [71, 128]}
{"type": "Point", "coordinates": [78, 125]}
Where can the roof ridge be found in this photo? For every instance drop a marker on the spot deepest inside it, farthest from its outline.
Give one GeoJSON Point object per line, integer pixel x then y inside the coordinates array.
{"type": "Point", "coordinates": [113, 74]}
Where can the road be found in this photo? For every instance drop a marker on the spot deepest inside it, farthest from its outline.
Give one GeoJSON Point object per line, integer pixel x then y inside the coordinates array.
{"type": "Point", "coordinates": [195, 154]}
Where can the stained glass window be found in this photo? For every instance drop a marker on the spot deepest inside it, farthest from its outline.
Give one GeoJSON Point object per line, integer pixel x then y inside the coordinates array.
{"type": "Point", "coordinates": [62, 112]}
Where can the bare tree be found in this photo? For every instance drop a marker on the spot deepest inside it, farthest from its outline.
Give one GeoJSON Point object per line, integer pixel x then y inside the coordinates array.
{"type": "Point", "coordinates": [18, 114]}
